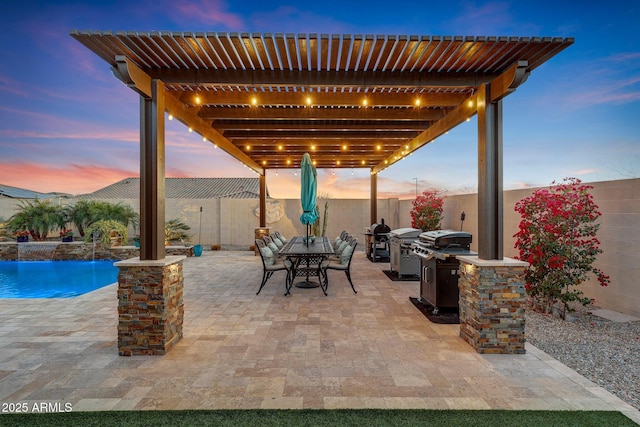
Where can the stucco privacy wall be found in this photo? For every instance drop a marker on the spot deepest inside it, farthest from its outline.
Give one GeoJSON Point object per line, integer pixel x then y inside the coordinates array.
{"type": "Point", "coordinates": [231, 224]}
{"type": "Point", "coordinates": [619, 202]}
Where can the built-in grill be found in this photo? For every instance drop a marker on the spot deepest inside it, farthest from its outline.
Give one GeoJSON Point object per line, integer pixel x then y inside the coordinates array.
{"type": "Point", "coordinates": [377, 241]}
{"type": "Point", "coordinates": [404, 262]}
{"type": "Point", "coordinates": [439, 268]}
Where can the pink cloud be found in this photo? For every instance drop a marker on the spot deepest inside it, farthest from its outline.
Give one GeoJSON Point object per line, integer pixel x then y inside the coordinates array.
{"type": "Point", "coordinates": [212, 12]}
{"type": "Point", "coordinates": [74, 178]}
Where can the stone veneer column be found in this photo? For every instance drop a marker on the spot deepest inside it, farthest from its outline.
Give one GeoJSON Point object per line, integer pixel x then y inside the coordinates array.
{"type": "Point", "coordinates": [492, 304]}
{"type": "Point", "coordinates": [150, 306]}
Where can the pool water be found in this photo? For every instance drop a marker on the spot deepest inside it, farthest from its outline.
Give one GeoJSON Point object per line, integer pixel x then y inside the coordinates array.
{"type": "Point", "coordinates": [54, 279]}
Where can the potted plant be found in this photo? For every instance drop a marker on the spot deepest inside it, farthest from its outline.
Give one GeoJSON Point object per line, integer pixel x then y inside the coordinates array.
{"type": "Point", "coordinates": [136, 241]}
{"type": "Point", "coordinates": [22, 236]}
{"type": "Point", "coordinates": [66, 235]}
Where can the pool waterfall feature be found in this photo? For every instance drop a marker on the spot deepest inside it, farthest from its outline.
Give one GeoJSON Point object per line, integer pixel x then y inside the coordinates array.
{"type": "Point", "coordinates": [37, 251]}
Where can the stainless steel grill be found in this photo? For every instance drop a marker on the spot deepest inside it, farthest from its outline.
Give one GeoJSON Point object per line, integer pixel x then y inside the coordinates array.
{"type": "Point", "coordinates": [404, 262]}
{"type": "Point", "coordinates": [439, 268]}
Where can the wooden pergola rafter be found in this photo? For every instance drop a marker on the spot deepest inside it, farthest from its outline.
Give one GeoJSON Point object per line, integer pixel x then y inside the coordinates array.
{"type": "Point", "coordinates": [351, 101]}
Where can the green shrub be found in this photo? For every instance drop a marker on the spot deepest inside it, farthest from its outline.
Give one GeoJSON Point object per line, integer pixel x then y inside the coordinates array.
{"type": "Point", "coordinates": [108, 232]}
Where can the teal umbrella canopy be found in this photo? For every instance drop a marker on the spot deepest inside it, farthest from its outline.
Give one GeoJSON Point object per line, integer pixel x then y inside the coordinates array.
{"type": "Point", "coordinates": [308, 191]}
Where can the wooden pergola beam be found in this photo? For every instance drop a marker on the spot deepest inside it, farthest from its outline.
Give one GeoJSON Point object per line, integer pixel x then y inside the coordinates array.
{"type": "Point", "coordinates": [506, 83]}
{"type": "Point", "coordinates": [302, 114]}
{"type": "Point", "coordinates": [322, 99]}
{"type": "Point", "coordinates": [191, 119]}
{"type": "Point", "coordinates": [319, 78]}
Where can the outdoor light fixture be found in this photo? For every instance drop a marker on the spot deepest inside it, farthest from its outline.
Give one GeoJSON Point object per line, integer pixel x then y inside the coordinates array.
{"type": "Point", "coordinates": [417, 102]}
{"type": "Point", "coordinates": [254, 101]}
{"type": "Point", "coordinates": [248, 147]}
{"type": "Point", "coordinates": [280, 147]}
{"type": "Point", "coordinates": [365, 102]}
{"type": "Point", "coordinates": [378, 147]}
{"type": "Point", "coordinates": [170, 116]}
{"type": "Point", "coordinates": [344, 147]}
{"type": "Point", "coordinates": [197, 100]}
{"type": "Point", "coordinates": [308, 100]}
{"type": "Point", "coordinates": [470, 103]}
{"type": "Point", "coordinates": [190, 130]}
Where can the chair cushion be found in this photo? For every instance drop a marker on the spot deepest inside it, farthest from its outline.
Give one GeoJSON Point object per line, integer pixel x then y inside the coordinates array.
{"type": "Point", "coordinates": [282, 238]}
{"type": "Point", "coordinates": [342, 247]}
{"type": "Point", "coordinates": [267, 255]}
{"type": "Point", "coordinates": [278, 242]}
{"type": "Point", "coordinates": [346, 255]}
{"type": "Point", "coordinates": [273, 247]}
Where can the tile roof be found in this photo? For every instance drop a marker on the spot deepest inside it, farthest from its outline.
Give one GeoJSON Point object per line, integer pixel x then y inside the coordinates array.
{"type": "Point", "coordinates": [184, 188]}
{"type": "Point", "coordinates": [21, 193]}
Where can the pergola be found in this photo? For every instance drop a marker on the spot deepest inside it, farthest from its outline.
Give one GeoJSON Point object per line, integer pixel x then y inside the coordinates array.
{"type": "Point", "coordinates": [351, 101]}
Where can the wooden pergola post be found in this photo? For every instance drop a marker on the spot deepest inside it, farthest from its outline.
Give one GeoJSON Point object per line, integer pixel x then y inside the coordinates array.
{"type": "Point", "coordinates": [152, 178]}
{"type": "Point", "coordinates": [490, 203]}
{"type": "Point", "coordinates": [374, 198]}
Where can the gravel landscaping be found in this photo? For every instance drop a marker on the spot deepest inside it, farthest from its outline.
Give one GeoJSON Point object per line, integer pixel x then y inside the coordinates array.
{"type": "Point", "coordinates": [601, 350]}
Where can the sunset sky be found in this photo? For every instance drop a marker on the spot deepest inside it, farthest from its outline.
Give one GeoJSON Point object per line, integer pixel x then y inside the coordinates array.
{"type": "Point", "coordinates": [68, 125]}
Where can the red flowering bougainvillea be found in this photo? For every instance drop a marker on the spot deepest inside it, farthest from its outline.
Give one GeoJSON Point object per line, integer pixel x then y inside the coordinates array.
{"type": "Point", "coordinates": [557, 237]}
{"type": "Point", "coordinates": [427, 210]}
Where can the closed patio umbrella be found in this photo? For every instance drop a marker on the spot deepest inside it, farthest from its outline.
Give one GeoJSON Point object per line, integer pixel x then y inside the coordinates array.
{"type": "Point", "coordinates": [308, 193]}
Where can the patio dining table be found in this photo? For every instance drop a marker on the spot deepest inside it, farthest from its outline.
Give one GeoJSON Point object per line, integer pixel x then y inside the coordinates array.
{"type": "Point", "coordinates": [306, 260]}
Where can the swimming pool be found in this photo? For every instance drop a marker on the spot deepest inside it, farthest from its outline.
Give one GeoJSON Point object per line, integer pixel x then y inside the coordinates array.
{"type": "Point", "coordinates": [54, 279]}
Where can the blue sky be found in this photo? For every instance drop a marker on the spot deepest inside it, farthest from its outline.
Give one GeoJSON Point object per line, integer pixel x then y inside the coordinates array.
{"type": "Point", "coordinates": [66, 124]}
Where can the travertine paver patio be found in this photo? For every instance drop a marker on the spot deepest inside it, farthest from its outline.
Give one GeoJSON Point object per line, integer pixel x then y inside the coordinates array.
{"type": "Point", "coordinates": [239, 350]}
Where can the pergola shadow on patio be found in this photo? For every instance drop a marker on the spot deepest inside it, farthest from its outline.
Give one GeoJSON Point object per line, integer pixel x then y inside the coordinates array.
{"type": "Point", "coordinates": [239, 350]}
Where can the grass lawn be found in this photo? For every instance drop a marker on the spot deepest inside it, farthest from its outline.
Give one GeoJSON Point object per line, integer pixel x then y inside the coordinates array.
{"type": "Point", "coordinates": [309, 417]}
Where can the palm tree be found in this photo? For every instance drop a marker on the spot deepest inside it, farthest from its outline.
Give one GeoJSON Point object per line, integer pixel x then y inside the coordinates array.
{"type": "Point", "coordinates": [174, 229]}
{"type": "Point", "coordinates": [86, 212]}
{"type": "Point", "coordinates": [38, 217]}
{"type": "Point", "coordinates": [80, 215]}
{"type": "Point", "coordinates": [114, 211]}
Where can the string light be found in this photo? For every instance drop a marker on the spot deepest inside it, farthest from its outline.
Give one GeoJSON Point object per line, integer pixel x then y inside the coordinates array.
{"type": "Point", "coordinates": [170, 116]}
{"type": "Point", "coordinates": [190, 130]}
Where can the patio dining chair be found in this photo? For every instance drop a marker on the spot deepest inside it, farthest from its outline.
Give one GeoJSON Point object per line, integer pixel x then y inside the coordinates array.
{"type": "Point", "coordinates": [268, 240]}
{"type": "Point", "coordinates": [270, 264]}
{"type": "Point", "coordinates": [280, 236]}
{"type": "Point", "coordinates": [343, 265]}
